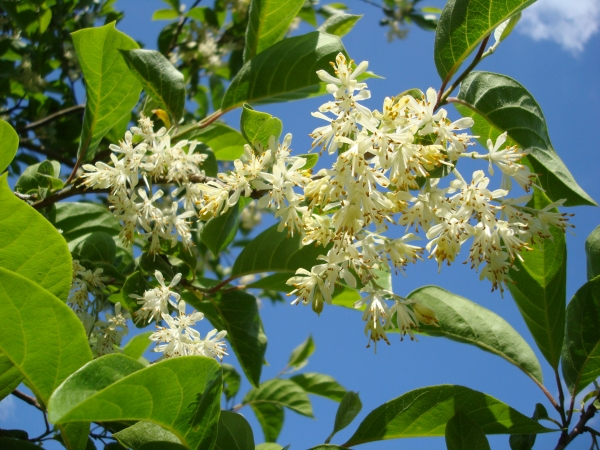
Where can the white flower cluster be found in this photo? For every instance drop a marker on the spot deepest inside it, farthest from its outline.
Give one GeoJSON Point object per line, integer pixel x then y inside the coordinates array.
{"type": "Point", "coordinates": [103, 335]}
{"type": "Point", "coordinates": [149, 156]}
{"type": "Point", "coordinates": [179, 339]}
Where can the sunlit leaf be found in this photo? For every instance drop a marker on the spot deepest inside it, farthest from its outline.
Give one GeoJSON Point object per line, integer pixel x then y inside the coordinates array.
{"type": "Point", "coordinates": [592, 252]}
{"type": "Point", "coordinates": [9, 144]}
{"type": "Point", "coordinates": [340, 24]}
{"type": "Point", "coordinates": [463, 433]}
{"type": "Point", "coordinates": [283, 393]}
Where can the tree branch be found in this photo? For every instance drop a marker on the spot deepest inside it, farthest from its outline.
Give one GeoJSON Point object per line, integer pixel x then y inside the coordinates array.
{"type": "Point", "coordinates": [52, 117]}
{"type": "Point", "coordinates": [182, 20]}
{"type": "Point", "coordinates": [27, 399]}
{"type": "Point", "coordinates": [580, 428]}
{"type": "Point", "coordinates": [67, 192]}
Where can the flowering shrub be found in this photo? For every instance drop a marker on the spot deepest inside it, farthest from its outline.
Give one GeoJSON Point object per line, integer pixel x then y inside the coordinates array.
{"type": "Point", "coordinates": [377, 191]}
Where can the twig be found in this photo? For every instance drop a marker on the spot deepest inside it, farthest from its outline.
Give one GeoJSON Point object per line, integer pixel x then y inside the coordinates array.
{"type": "Point", "coordinates": [27, 144]}
{"type": "Point", "coordinates": [27, 399]}
{"type": "Point", "coordinates": [15, 107]}
{"type": "Point", "coordinates": [443, 95]}
{"type": "Point", "coordinates": [67, 192]}
{"type": "Point", "coordinates": [182, 20]}
{"type": "Point", "coordinates": [580, 428]}
{"type": "Point", "coordinates": [51, 117]}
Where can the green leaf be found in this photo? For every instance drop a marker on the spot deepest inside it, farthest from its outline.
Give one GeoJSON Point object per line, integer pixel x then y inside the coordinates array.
{"type": "Point", "coordinates": [592, 251]}
{"type": "Point", "coordinates": [42, 175]}
{"type": "Point", "coordinates": [46, 344]}
{"type": "Point", "coordinates": [10, 376]}
{"type": "Point", "coordinates": [226, 143]}
{"type": "Point", "coordinates": [165, 14]}
{"type": "Point", "coordinates": [135, 284]}
{"type": "Point", "coordinates": [349, 408]}
{"type": "Point", "coordinates": [539, 288]}
{"type": "Point", "coordinates": [17, 444]}
{"type": "Point", "coordinates": [463, 433]}
{"type": "Point", "coordinates": [138, 345]}
{"type": "Point", "coordinates": [300, 355]}
{"type": "Point", "coordinates": [207, 410]}
{"type": "Point", "coordinates": [462, 26]}
{"type": "Point", "coordinates": [284, 71]}
{"type": "Point", "coordinates": [237, 312]}
{"type": "Point", "coordinates": [219, 231]}
{"type": "Point", "coordinates": [31, 246]}
{"type": "Point", "coordinates": [97, 247]}
{"type": "Point", "coordinates": [320, 384]}
{"type": "Point", "coordinates": [271, 417]}
{"type": "Point", "coordinates": [581, 351]}
{"type": "Point", "coordinates": [117, 388]}
{"type": "Point", "coordinates": [231, 381]}
{"type": "Point", "coordinates": [257, 127]}
{"type": "Point", "coordinates": [274, 251]}
{"type": "Point", "coordinates": [283, 393]}
{"type": "Point", "coordinates": [162, 446]}
{"type": "Point", "coordinates": [340, 24]}
{"type": "Point", "coordinates": [234, 433]}
{"type": "Point", "coordinates": [268, 22]}
{"type": "Point", "coordinates": [311, 160]}
{"type": "Point", "coordinates": [112, 90]}
{"type": "Point", "coordinates": [465, 321]}
{"type": "Point", "coordinates": [143, 433]}
{"type": "Point", "coordinates": [498, 103]}
{"type": "Point", "coordinates": [79, 220]}
{"type": "Point", "coordinates": [10, 144]}
{"type": "Point", "coordinates": [268, 446]}
{"type": "Point", "coordinates": [159, 78]}
{"type": "Point", "coordinates": [527, 441]}
{"type": "Point", "coordinates": [425, 412]}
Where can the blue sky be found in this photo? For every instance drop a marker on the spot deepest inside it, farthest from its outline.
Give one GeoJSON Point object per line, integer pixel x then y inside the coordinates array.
{"type": "Point", "coordinates": [554, 54]}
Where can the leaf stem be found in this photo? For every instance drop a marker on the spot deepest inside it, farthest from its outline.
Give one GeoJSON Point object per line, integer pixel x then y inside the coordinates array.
{"type": "Point", "coordinates": [443, 95]}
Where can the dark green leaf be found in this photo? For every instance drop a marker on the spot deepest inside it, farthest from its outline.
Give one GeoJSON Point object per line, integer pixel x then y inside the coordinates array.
{"type": "Point", "coordinates": [219, 231]}
{"type": "Point", "coordinates": [78, 220]}
{"type": "Point", "coordinates": [270, 416]}
{"type": "Point", "coordinates": [226, 143]}
{"type": "Point", "coordinates": [151, 263]}
{"type": "Point", "coordinates": [231, 381]}
{"type": "Point", "coordinates": [462, 26]}
{"type": "Point", "coordinates": [498, 103]}
{"type": "Point", "coordinates": [592, 251]}
{"type": "Point", "coordinates": [339, 24]}
{"type": "Point", "coordinates": [234, 433]}
{"type": "Point", "coordinates": [281, 392]}
{"type": "Point", "coordinates": [116, 388]}
{"type": "Point", "coordinates": [275, 282]}
{"type": "Point", "coordinates": [207, 410]}
{"type": "Point", "coordinates": [268, 22]}
{"type": "Point", "coordinates": [30, 246]}
{"type": "Point", "coordinates": [526, 441]}
{"type": "Point", "coordinates": [300, 355]}
{"type": "Point", "coordinates": [10, 376]}
{"type": "Point", "coordinates": [320, 384]}
{"type": "Point", "coordinates": [237, 313]}
{"type": "Point", "coordinates": [159, 78]}
{"type": "Point", "coordinates": [284, 71]}
{"type": "Point", "coordinates": [463, 433]}
{"type": "Point", "coordinates": [467, 322]}
{"type": "Point", "coordinates": [581, 351]}
{"type": "Point", "coordinates": [144, 432]}
{"type": "Point", "coordinates": [9, 146]}
{"type": "Point", "coordinates": [135, 284]}
{"type": "Point", "coordinates": [257, 127]}
{"type": "Point", "coordinates": [274, 251]}
{"type": "Point", "coordinates": [138, 345]}
{"type": "Point", "coordinates": [17, 444]}
{"type": "Point", "coordinates": [111, 89]}
{"type": "Point", "coordinates": [539, 288]}
{"type": "Point", "coordinates": [425, 412]}
{"type": "Point", "coordinates": [349, 408]}
{"type": "Point", "coordinates": [97, 247]}
{"type": "Point", "coordinates": [42, 175]}
{"type": "Point", "coordinates": [163, 446]}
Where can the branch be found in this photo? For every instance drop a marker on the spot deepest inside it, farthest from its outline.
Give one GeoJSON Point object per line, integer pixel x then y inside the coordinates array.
{"type": "Point", "coordinates": [580, 428]}
{"type": "Point", "coordinates": [27, 399]}
{"type": "Point", "coordinates": [67, 192]}
{"type": "Point", "coordinates": [182, 20]}
{"type": "Point", "coordinates": [51, 117]}
{"type": "Point", "coordinates": [42, 150]}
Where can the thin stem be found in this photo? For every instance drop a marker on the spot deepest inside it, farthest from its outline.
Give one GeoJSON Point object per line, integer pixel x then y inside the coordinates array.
{"type": "Point", "coordinates": [203, 123]}
{"type": "Point", "coordinates": [223, 283]}
{"type": "Point", "coordinates": [580, 428]}
{"type": "Point", "coordinates": [443, 95]}
{"type": "Point", "coordinates": [67, 192]}
{"type": "Point", "coordinates": [182, 21]}
{"type": "Point", "coordinates": [561, 400]}
{"type": "Point", "coordinates": [52, 117]}
{"type": "Point", "coordinates": [27, 399]}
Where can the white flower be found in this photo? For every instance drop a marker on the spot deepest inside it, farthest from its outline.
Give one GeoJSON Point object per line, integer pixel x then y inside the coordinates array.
{"type": "Point", "coordinates": [155, 301]}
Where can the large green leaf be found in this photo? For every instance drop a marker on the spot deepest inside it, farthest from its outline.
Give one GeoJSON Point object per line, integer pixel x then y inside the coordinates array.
{"type": "Point", "coordinates": [284, 71]}
{"type": "Point", "coordinates": [42, 337]}
{"type": "Point", "coordinates": [31, 246]}
{"type": "Point", "coordinates": [258, 127]}
{"type": "Point", "coordinates": [10, 376]}
{"type": "Point", "coordinates": [462, 26]}
{"type": "Point", "coordinates": [160, 79]}
{"type": "Point", "coordinates": [540, 288]}
{"type": "Point", "coordinates": [592, 252]}
{"type": "Point", "coordinates": [320, 384]}
{"type": "Point", "coordinates": [465, 321]}
{"type": "Point", "coordinates": [143, 433]}
{"type": "Point", "coordinates": [10, 143]}
{"type": "Point", "coordinates": [581, 351]}
{"type": "Point", "coordinates": [237, 312]}
{"type": "Point", "coordinates": [226, 143]}
{"type": "Point", "coordinates": [112, 90]}
{"type": "Point", "coordinates": [425, 412]}
{"type": "Point", "coordinates": [271, 417]}
{"type": "Point", "coordinates": [234, 433]}
{"type": "Point", "coordinates": [498, 103]}
{"type": "Point", "coordinates": [283, 393]}
{"type": "Point", "coordinates": [463, 433]}
{"type": "Point", "coordinates": [118, 388]}
{"type": "Point", "coordinates": [268, 22]}
{"type": "Point", "coordinates": [275, 251]}
{"type": "Point", "coordinates": [78, 220]}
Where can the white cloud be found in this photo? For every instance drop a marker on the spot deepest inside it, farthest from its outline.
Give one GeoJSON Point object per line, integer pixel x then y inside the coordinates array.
{"type": "Point", "coordinates": [7, 408]}
{"type": "Point", "coordinates": [568, 23]}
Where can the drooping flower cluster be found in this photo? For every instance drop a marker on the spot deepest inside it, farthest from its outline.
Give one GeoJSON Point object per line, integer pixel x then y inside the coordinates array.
{"type": "Point", "coordinates": [178, 338]}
